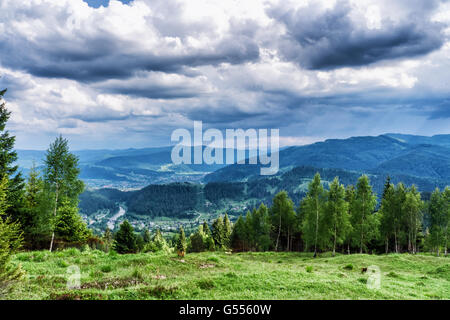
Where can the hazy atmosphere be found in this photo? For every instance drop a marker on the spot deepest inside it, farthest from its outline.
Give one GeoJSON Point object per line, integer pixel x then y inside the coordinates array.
{"type": "Point", "coordinates": [119, 74]}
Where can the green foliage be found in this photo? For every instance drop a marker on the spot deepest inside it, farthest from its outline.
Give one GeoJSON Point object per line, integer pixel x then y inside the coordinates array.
{"type": "Point", "coordinates": [364, 221]}
{"type": "Point", "coordinates": [313, 207]}
{"type": "Point", "coordinates": [8, 166]}
{"type": "Point", "coordinates": [181, 242]}
{"type": "Point", "coordinates": [61, 181]}
{"type": "Point", "coordinates": [69, 226]}
{"type": "Point", "coordinates": [336, 220]}
{"type": "Point", "coordinates": [108, 239]}
{"type": "Point", "coordinates": [158, 243]}
{"type": "Point", "coordinates": [125, 239]}
{"type": "Point", "coordinates": [10, 242]}
{"type": "Point", "coordinates": [218, 233]}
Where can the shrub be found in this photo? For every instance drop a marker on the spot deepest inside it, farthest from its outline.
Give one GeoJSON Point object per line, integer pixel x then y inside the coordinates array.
{"type": "Point", "coordinates": [348, 267]}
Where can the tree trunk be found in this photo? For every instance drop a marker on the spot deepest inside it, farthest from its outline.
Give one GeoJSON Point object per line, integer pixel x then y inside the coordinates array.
{"type": "Point", "coordinates": [54, 214]}
{"type": "Point", "coordinates": [387, 245]}
{"type": "Point", "coordinates": [396, 243]}
{"type": "Point", "coordinates": [362, 224]}
{"type": "Point", "coordinates": [348, 248]}
{"type": "Point", "coordinates": [317, 228]}
{"type": "Point", "coordinates": [279, 232]}
{"type": "Point", "coordinates": [334, 244]}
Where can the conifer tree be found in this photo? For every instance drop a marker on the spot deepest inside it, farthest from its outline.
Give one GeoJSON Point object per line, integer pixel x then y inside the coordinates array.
{"type": "Point", "coordinates": [226, 231]}
{"type": "Point", "coordinates": [218, 233]}
{"type": "Point", "coordinates": [8, 168]}
{"type": "Point", "coordinates": [388, 214]}
{"type": "Point", "coordinates": [125, 239]}
{"type": "Point", "coordinates": [206, 229]}
{"type": "Point", "coordinates": [10, 241]}
{"type": "Point", "coordinates": [238, 235]}
{"type": "Point", "coordinates": [147, 236]}
{"type": "Point", "coordinates": [181, 243]}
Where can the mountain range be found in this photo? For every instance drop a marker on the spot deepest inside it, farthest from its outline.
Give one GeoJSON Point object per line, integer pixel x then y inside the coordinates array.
{"type": "Point", "coordinates": [194, 191]}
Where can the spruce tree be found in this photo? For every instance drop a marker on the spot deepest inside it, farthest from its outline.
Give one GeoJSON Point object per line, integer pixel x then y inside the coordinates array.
{"type": "Point", "coordinates": [226, 231]}
{"type": "Point", "coordinates": [218, 233]}
{"type": "Point", "coordinates": [10, 242]}
{"type": "Point", "coordinates": [206, 229]}
{"type": "Point", "coordinates": [8, 156]}
{"type": "Point", "coordinates": [238, 235]}
{"type": "Point", "coordinates": [147, 236]}
{"type": "Point", "coordinates": [125, 239]}
{"type": "Point", "coordinates": [181, 243]}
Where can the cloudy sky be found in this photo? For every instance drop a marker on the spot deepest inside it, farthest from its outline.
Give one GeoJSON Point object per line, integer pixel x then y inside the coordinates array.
{"type": "Point", "coordinates": [117, 74]}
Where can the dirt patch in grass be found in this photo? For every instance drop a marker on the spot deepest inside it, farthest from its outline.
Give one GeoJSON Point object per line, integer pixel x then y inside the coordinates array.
{"type": "Point", "coordinates": [111, 283]}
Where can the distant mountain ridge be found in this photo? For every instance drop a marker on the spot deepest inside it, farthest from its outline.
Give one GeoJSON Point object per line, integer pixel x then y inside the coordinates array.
{"type": "Point", "coordinates": [392, 153]}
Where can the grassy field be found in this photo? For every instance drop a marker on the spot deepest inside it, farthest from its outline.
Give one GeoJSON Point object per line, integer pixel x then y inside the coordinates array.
{"type": "Point", "coordinates": [215, 275]}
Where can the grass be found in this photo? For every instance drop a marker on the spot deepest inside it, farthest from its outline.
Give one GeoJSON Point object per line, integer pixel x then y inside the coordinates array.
{"type": "Point", "coordinates": [215, 275]}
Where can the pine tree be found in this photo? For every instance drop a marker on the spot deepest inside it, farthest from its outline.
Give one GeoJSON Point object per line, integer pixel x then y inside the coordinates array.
{"type": "Point", "coordinates": [364, 221]}
{"type": "Point", "coordinates": [314, 203]}
{"type": "Point", "coordinates": [35, 212]}
{"type": "Point", "coordinates": [147, 236]}
{"type": "Point", "coordinates": [69, 225]}
{"type": "Point", "coordinates": [125, 239]}
{"type": "Point", "coordinates": [181, 243]}
{"type": "Point", "coordinates": [8, 157]}
{"type": "Point", "coordinates": [206, 229]}
{"type": "Point", "coordinates": [226, 231]}
{"type": "Point", "coordinates": [61, 176]}
{"type": "Point", "coordinates": [238, 235]}
{"type": "Point", "coordinates": [336, 217]}
{"type": "Point", "coordinates": [10, 241]}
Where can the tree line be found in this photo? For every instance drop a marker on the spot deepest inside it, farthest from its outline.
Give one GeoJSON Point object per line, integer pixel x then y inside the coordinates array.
{"type": "Point", "coordinates": [337, 219]}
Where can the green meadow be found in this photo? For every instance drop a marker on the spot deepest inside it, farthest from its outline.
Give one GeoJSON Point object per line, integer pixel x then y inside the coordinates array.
{"type": "Point", "coordinates": [221, 275]}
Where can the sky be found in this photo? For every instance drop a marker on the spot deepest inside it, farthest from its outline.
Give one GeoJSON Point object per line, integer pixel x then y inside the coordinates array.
{"type": "Point", "coordinates": [122, 74]}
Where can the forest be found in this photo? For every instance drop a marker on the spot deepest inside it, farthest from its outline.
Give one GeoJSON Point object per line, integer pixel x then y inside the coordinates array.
{"type": "Point", "coordinates": [41, 212]}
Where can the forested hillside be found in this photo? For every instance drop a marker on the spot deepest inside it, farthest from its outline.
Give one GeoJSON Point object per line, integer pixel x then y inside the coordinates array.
{"type": "Point", "coordinates": [372, 155]}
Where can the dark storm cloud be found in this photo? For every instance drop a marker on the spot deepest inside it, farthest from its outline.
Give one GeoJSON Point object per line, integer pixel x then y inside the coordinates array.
{"type": "Point", "coordinates": [323, 40]}
{"type": "Point", "coordinates": [102, 60]}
